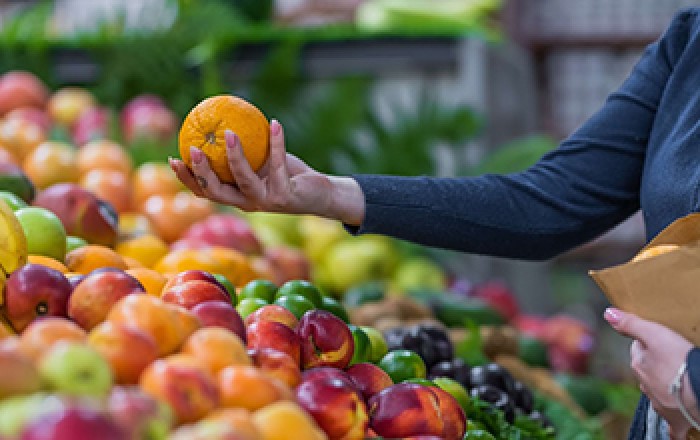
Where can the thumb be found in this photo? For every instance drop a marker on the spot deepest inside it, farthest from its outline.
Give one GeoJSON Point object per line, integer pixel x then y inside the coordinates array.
{"type": "Point", "coordinates": [630, 325]}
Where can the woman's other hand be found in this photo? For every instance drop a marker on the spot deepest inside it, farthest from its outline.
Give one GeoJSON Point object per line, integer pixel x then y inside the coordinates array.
{"type": "Point", "coordinates": [655, 356]}
{"type": "Point", "coordinates": [284, 184]}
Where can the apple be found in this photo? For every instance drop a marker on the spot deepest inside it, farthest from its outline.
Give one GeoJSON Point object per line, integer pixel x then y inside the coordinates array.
{"type": "Point", "coordinates": [419, 273]}
{"type": "Point", "coordinates": [225, 230]}
{"type": "Point", "coordinates": [21, 89]}
{"type": "Point", "coordinates": [273, 312]}
{"type": "Point", "coordinates": [76, 369]}
{"type": "Point", "coordinates": [336, 407]}
{"type": "Point", "coordinates": [139, 414]}
{"type": "Point", "coordinates": [34, 291]}
{"type": "Point", "coordinates": [18, 375]}
{"type": "Point", "coordinates": [147, 116]}
{"type": "Point", "coordinates": [191, 293]}
{"type": "Point", "coordinates": [271, 334]}
{"type": "Point", "coordinates": [220, 314]}
{"type": "Point", "coordinates": [68, 103]}
{"type": "Point", "coordinates": [81, 212]}
{"type": "Point", "coordinates": [44, 231]}
{"type": "Point", "coordinates": [92, 124]}
{"type": "Point", "coordinates": [405, 410]}
{"type": "Point", "coordinates": [74, 423]}
{"type": "Point", "coordinates": [325, 340]}
{"type": "Point", "coordinates": [369, 379]}
{"type": "Point", "coordinates": [353, 261]}
{"type": "Point", "coordinates": [93, 298]}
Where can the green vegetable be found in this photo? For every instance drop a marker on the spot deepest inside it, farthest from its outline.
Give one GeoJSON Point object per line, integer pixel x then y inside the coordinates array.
{"type": "Point", "coordinates": [533, 352]}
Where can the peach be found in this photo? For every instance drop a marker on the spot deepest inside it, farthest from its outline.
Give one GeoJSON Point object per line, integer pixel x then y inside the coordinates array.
{"type": "Point", "coordinates": [277, 364]}
{"type": "Point", "coordinates": [43, 333]}
{"type": "Point", "coordinates": [154, 178]}
{"type": "Point", "coordinates": [406, 410]}
{"type": "Point", "coordinates": [191, 293]}
{"type": "Point", "coordinates": [94, 297]}
{"type": "Point", "coordinates": [338, 409]}
{"type": "Point", "coordinates": [237, 418]}
{"type": "Point", "coordinates": [20, 137]}
{"type": "Point", "coordinates": [146, 248]}
{"type": "Point", "coordinates": [18, 374]}
{"type": "Point", "coordinates": [127, 349]}
{"type": "Point", "coordinates": [32, 114]}
{"type": "Point", "coordinates": [217, 348]}
{"type": "Point", "coordinates": [114, 187]}
{"type": "Point", "coordinates": [318, 373]}
{"type": "Point", "coordinates": [220, 314]}
{"type": "Point", "coordinates": [92, 124]}
{"type": "Point", "coordinates": [206, 430]}
{"type": "Point", "coordinates": [81, 212]}
{"type": "Point", "coordinates": [151, 280]}
{"type": "Point", "coordinates": [277, 420]}
{"type": "Point", "coordinates": [453, 416]}
{"type": "Point", "coordinates": [21, 89]}
{"type": "Point", "coordinates": [325, 340]}
{"type": "Point", "coordinates": [369, 379]}
{"type": "Point", "coordinates": [152, 316]}
{"type": "Point", "coordinates": [189, 323]}
{"type": "Point", "coordinates": [88, 258]}
{"type": "Point", "coordinates": [184, 384]}
{"type": "Point", "coordinates": [194, 275]}
{"type": "Point", "coordinates": [250, 388]}
{"type": "Point", "coordinates": [271, 334]}
{"type": "Point", "coordinates": [105, 155]}
{"type": "Point", "coordinates": [51, 162]}
{"type": "Point", "coordinates": [273, 312]}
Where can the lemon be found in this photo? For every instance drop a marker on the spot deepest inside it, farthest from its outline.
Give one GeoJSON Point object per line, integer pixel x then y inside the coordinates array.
{"type": "Point", "coordinates": [13, 243]}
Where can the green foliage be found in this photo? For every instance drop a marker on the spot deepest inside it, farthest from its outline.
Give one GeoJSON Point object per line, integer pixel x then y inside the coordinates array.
{"type": "Point", "coordinates": [516, 155]}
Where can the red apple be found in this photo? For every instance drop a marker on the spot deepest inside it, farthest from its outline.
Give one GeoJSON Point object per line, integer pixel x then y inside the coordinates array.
{"type": "Point", "coordinates": [74, 424]}
{"type": "Point", "coordinates": [224, 230]}
{"type": "Point", "coordinates": [405, 410]}
{"type": "Point", "coordinates": [21, 89]}
{"type": "Point", "coordinates": [325, 340]}
{"type": "Point", "coordinates": [92, 124]}
{"type": "Point", "coordinates": [336, 407]}
{"type": "Point", "coordinates": [369, 379]}
{"type": "Point", "coordinates": [34, 291]}
{"type": "Point", "coordinates": [273, 312]}
{"type": "Point", "coordinates": [220, 314]}
{"type": "Point", "coordinates": [147, 116]}
{"type": "Point", "coordinates": [270, 334]}
{"type": "Point", "coordinates": [94, 297]}
{"type": "Point", "coordinates": [277, 364]}
{"type": "Point", "coordinates": [191, 293]}
{"type": "Point", "coordinates": [81, 212]}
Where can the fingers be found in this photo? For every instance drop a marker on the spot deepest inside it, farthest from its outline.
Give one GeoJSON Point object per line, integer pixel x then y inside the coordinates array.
{"type": "Point", "coordinates": [249, 184]}
{"type": "Point", "coordinates": [209, 184]}
{"type": "Point", "coordinates": [278, 175]}
{"type": "Point", "coordinates": [185, 175]}
{"type": "Point", "coordinates": [630, 325]}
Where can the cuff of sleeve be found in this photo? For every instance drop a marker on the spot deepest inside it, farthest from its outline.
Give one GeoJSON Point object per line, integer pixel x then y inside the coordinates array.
{"type": "Point", "coordinates": [693, 362]}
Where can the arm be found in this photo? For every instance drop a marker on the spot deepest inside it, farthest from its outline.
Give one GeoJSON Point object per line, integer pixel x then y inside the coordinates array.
{"type": "Point", "coordinates": [583, 188]}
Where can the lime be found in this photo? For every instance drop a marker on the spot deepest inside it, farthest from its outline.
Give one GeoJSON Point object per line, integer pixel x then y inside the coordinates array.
{"type": "Point", "coordinates": [297, 304]}
{"type": "Point", "coordinates": [73, 243]}
{"type": "Point", "coordinates": [377, 343]}
{"type": "Point", "coordinates": [331, 305]}
{"type": "Point", "coordinates": [262, 289]}
{"type": "Point", "coordinates": [228, 285]}
{"type": "Point", "coordinates": [455, 389]}
{"type": "Point", "coordinates": [246, 306]}
{"type": "Point", "coordinates": [402, 365]}
{"type": "Point", "coordinates": [363, 347]}
{"type": "Point", "coordinates": [419, 381]}
{"type": "Point", "coordinates": [303, 288]}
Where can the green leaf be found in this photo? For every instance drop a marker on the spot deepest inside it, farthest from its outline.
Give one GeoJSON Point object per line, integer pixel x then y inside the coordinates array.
{"type": "Point", "coordinates": [471, 348]}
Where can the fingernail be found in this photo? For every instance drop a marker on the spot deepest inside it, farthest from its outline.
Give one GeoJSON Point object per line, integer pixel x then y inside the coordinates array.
{"type": "Point", "coordinates": [196, 154]}
{"type": "Point", "coordinates": [612, 315]}
{"type": "Point", "coordinates": [231, 140]}
{"type": "Point", "coordinates": [275, 127]}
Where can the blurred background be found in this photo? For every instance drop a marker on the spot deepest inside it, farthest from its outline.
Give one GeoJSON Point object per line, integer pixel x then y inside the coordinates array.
{"type": "Point", "coordinates": [406, 87]}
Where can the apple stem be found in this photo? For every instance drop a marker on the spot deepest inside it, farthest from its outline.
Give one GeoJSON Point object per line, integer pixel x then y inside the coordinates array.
{"type": "Point", "coordinates": [42, 309]}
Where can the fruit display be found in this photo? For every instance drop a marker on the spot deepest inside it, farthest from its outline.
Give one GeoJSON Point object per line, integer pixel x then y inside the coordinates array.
{"type": "Point", "coordinates": [133, 309]}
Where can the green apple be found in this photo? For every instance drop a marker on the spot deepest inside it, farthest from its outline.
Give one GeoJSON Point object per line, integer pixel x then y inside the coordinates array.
{"type": "Point", "coordinates": [14, 201]}
{"type": "Point", "coordinates": [44, 231]}
{"type": "Point", "coordinates": [359, 259]}
{"type": "Point", "coordinates": [73, 243]}
{"type": "Point", "coordinates": [419, 273]}
{"type": "Point", "coordinates": [76, 369]}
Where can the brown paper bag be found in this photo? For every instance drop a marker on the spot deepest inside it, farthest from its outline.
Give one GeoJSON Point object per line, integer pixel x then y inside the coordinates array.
{"type": "Point", "coordinates": [665, 288]}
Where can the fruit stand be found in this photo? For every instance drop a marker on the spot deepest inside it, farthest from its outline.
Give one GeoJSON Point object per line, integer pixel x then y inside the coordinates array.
{"type": "Point", "coordinates": [133, 309]}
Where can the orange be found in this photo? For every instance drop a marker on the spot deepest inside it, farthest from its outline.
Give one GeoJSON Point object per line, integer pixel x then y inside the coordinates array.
{"type": "Point", "coordinates": [153, 178]}
{"type": "Point", "coordinates": [250, 388]}
{"type": "Point", "coordinates": [48, 262]}
{"type": "Point", "coordinates": [88, 258]}
{"type": "Point", "coordinates": [205, 125]}
{"type": "Point", "coordinates": [151, 280]}
{"type": "Point", "coordinates": [147, 249]}
{"type": "Point", "coordinates": [171, 215]}
{"type": "Point", "coordinates": [52, 162]}
{"type": "Point", "coordinates": [217, 348]}
{"type": "Point", "coordinates": [103, 155]}
{"type": "Point", "coordinates": [111, 186]}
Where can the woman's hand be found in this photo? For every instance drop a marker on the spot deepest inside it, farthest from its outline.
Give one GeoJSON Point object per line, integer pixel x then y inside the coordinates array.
{"type": "Point", "coordinates": [284, 183]}
{"type": "Point", "coordinates": [655, 356]}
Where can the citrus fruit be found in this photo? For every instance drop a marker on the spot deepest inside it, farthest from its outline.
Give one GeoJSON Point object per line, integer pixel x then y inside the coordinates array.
{"type": "Point", "coordinates": [205, 125]}
{"type": "Point", "coordinates": [403, 365]}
